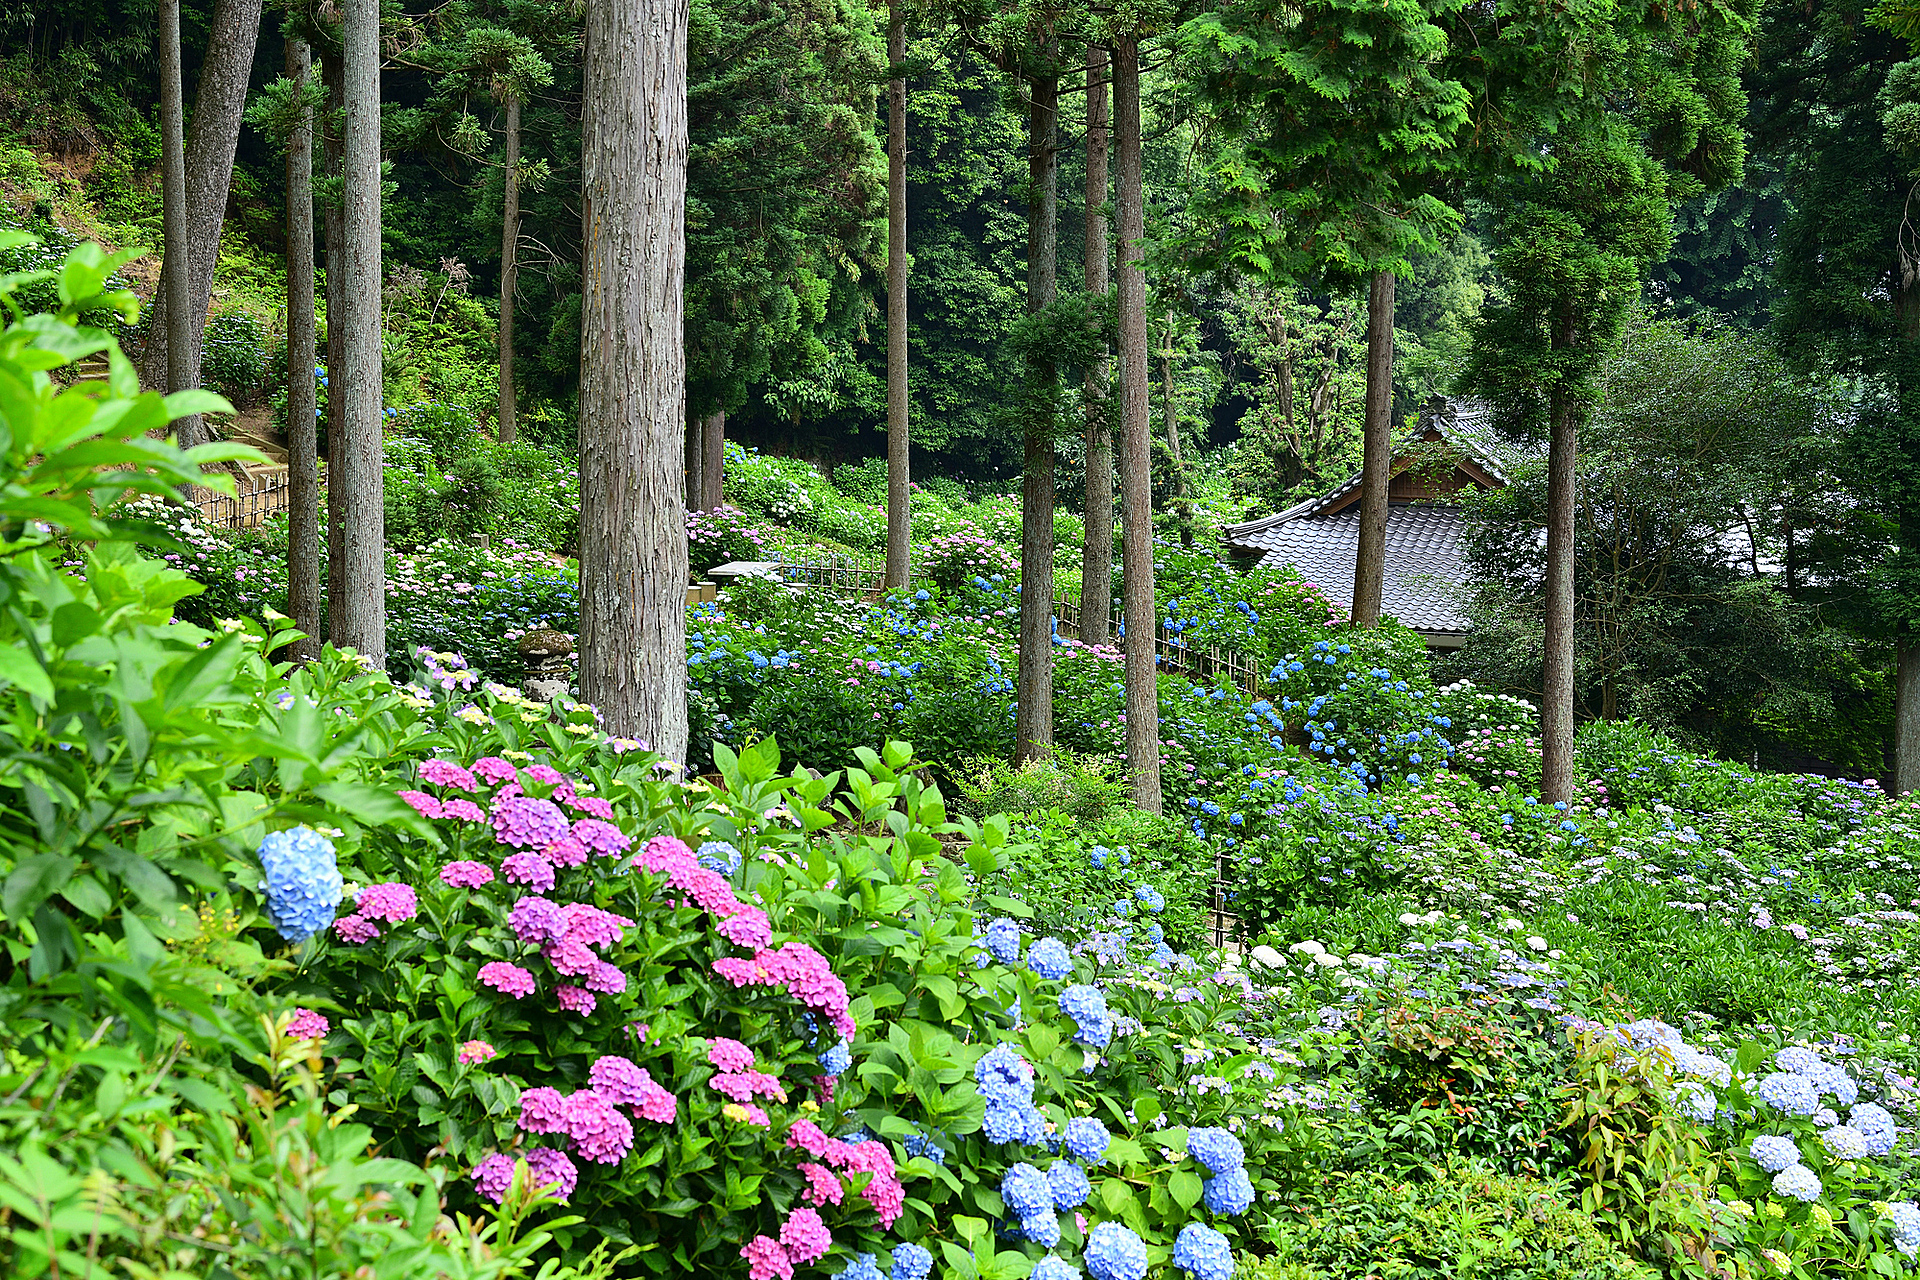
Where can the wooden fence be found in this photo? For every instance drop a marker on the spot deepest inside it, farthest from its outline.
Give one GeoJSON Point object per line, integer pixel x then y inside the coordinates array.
{"type": "Point", "coordinates": [259, 495]}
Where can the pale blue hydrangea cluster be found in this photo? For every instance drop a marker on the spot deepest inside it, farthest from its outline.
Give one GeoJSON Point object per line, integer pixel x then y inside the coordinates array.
{"type": "Point", "coordinates": [920, 1144]}
{"type": "Point", "coordinates": [837, 1059]}
{"type": "Point", "coordinates": [911, 1262]}
{"type": "Point", "coordinates": [1844, 1142]}
{"type": "Point", "coordinates": [1875, 1124]}
{"type": "Point", "coordinates": [865, 1266]}
{"type": "Point", "coordinates": [1003, 940]}
{"type": "Point", "coordinates": [1229, 1190]}
{"type": "Point", "coordinates": [1797, 1181]}
{"type": "Point", "coordinates": [719, 857]}
{"type": "Point", "coordinates": [1049, 959]}
{"type": "Point", "coordinates": [1070, 1184]}
{"type": "Point", "coordinates": [1774, 1153]}
{"type": "Point", "coordinates": [1029, 1197]}
{"type": "Point", "coordinates": [1905, 1215]}
{"type": "Point", "coordinates": [1092, 1020]}
{"type": "Point", "coordinates": [303, 883]}
{"type": "Point", "coordinates": [1115, 1253]}
{"type": "Point", "coordinates": [1151, 898]}
{"type": "Point", "coordinates": [1052, 1268]}
{"type": "Point", "coordinates": [1787, 1092]}
{"type": "Point", "coordinates": [1203, 1253]}
{"type": "Point", "coordinates": [1087, 1139]}
{"type": "Point", "coordinates": [1005, 1080]}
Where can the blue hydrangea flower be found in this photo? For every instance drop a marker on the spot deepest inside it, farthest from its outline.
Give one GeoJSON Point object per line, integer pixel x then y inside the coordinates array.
{"type": "Point", "coordinates": [1845, 1142]}
{"type": "Point", "coordinates": [920, 1144]}
{"type": "Point", "coordinates": [1026, 1191]}
{"type": "Point", "coordinates": [1115, 1253]}
{"type": "Point", "coordinates": [1070, 1185]}
{"type": "Point", "coordinates": [1875, 1124]}
{"type": "Point", "coordinates": [911, 1262]}
{"type": "Point", "coordinates": [1091, 1018]}
{"type": "Point", "coordinates": [1052, 1268]}
{"type": "Point", "coordinates": [1050, 959]}
{"type": "Point", "coordinates": [1042, 1228]}
{"type": "Point", "coordinates": [719, 857]}
{"type": "Point", "coordinates": [862, 1267]}
{"type": "Point", "coordinates": [1151, 898]}
{"type": "Point", "coordinates": [1155, 934]}
{"type": "Point", "coordinates": [1905, 1216]}
{"type": "Point", "coordinates": [1785, 1091]}
{"type": "Point", "coordinates": [837, 1059]}
{"type": "Point", "coordinates": [1003, 940]}
{"type": "Point", "coordinates": [1203, 1253]}
{"type": "Point", "coordinates": [303, 882]}
{"type": "Point", "coordinates": [1004, 1122]}
{"type": "Point", "coordinates": [1774, 1153]}
{"type": "Point", "coordinates": [1087, 1139]}
{"type": "Point", "coordinates": [1098, 856]}
{"type": "Point", "coordinates": [1230, 1192]}
{"type": "Point", "coordinates": [1798, 1059]}
{"type": "Point", "coordinates": [1797, 1181]}
{"type": "Point", "coordinates": [1217, 1149]}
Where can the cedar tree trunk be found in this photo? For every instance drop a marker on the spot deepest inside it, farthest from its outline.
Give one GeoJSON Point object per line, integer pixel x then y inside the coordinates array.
{"type": "Point", "coordinates": [303, 464]}
{"type": "Point", "coordinates": [1096, 553]}
{"type": "Point", "coordinates": [899, 509]}
{"type": "Point", "coordinates": [695, 455]}
{"type": "Point", "coordinates": [360, 610]}
{"type": "Point", "coordinates": [1556, 690]}
{"type": "Point", "coordinates": [175, 268]}
{"type": "Point", "coordinates": [505, 429]}
{"type": "Point", "coordinates": [633, 537]}
{"type": "Point", "coordinates": [335, 224]}
{"type": "Point", "coordinates": [1033, 716]}
{"type": "Point", "coordinates": [1376, 453]}
{"type": "Point", "coordinates": [713, 460]}
{"type": "Point", "coordinates": [1136, 463]}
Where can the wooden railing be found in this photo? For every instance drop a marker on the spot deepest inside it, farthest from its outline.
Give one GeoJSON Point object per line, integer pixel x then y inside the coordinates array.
{"type": "Point", "coordinates": [259, 495]}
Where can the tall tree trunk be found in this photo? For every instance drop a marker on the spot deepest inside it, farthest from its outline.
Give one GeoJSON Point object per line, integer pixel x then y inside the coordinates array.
{"type": "Point", "coordinates": [303, 466]}
{"type": "Point", "coordinates": [899, 510]}
{"type": "Point", "coordinates": [1556, 693]}
{"type": "Point", "coordinates": [1376, 455]}
{"type": "Point", "coordinates": [1096, 554]}
{"type": "Point", "coordinates": [360, 611]}
{"type": "Point", "coordinates": [696, 456]}
{"type": "Point", "coordinates": [175, 268]}
{"type": "Point", "coordinates": [1906, 721]}
{"type": "Point", "coordinates": [1171, 409]}
{"type": "Point", "coordinates": [334, 221]}
{"type": "Point", "coordinates": [633, 544]}
{"type": "Point", "coordinates": [506, 428]}
{"type": "Point", "coordinates": [713, 460]}
{"type": "Point", "coordinates": [218, 105]}
{"type": "Point", "coordinates": [1033, 716]}
{"type": "Point", "coordinates": [1136, 463]}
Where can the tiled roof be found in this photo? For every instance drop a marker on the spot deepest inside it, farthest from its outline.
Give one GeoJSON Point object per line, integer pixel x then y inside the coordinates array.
{"type": "Point", "coordinates": [1423, 559]}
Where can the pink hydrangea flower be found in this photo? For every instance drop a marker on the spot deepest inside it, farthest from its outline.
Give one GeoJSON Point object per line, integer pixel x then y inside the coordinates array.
{"type": "Point", "coordinates": [356, 929]}
{"type": "Point", "coordinates": [445, 773]}
{"type": "Point", "coordinates": [465, 874]}
{"type": "Point", "coordinates": [508, 979]}
{"type": "Point", "coordinates": [823, 1184]}
{"type": "Point", "coordinates": [576, 1000]}
{"type": "Point", "coordinates": [589, 924]}
{"type": "Point", "coordinates": [657, 1105]}
{"type": "Point", "coordinates": [602, 837]}
{"type": "Point", "coordinates": [808, 1137]}
{"type": "Point", "coordinates": [566, 853]}
{"type": "Point", "coordinates": [544, 774]}
{"type": "Point", "coordinates": [421, 803]}
{"type": "Point", "coordinates": [475, 1051]}
{"type": "Point", "coordinates": [607, 979]}
{"type": "Point", "coordinates": [553, 1173]}
{"type": "Point", "coordinates": [529, 869]}
{"type": "Point", "coordinates": [543, 1110]}
{"type": "Point", "coordinates": [523, 822]}
{"type": "Point", "coordinates": [870, 1157]}
{"type": "Point", "coordinates": [493, 1177]}
{"type": "Point", "coordinates": [600, 1132]}
{"type": "Point", "coordinates": [494, 769]}
{"type": "Point", "coordinates": [750, 1114]}
{"type": "Point", "coordinates": [620, 1079]}
{"type": "Point", "coordinates": [536, 921]}
{"type": "Point", "coordinates": [569, 958]}
{"type": "Point", "coordinates": [592, 806]}
{"type": "Point", "coordinates": [804, 1236]}
{"type": "Point", "coordinates": [747, 927]}
{"type": "Point", "coordinates": [823, 1089]}
{"type": "Point", "coordinates": [733, 1084]}
{"type": "Point", "coordinates": [887, 1197]}
{"type": "Point", "coordinates": [740, 972]}
{"type": "Point", "coordinates": [463, 810]}
{"type": "Point", "coordinates": [392, 901]}
{"type": "Point", "coordinates": [664, 853]}
{"type": "Point", "coordinates": [729, 1055]}
{"type": "Point", "coordinates": [766, 1260]}
{"type": "Point", "coordinates": [305, 1024]}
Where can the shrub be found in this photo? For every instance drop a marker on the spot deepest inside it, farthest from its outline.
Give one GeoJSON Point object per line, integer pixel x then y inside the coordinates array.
{"type": "Point", "coordinates": [237, 356]}
{"type": "Point", "coordinates": [954, 560]}
{"type": "Point", "coordinates": [449, 430]}
{"type": "Point", "coordinates": [863, 481]}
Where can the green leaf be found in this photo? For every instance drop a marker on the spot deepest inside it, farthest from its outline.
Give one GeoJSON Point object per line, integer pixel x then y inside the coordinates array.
{"type": "Point", "coordinates": [17, 667]}
{"type": "Point", "coordinates": [1185, 1187]}
{"type": "Point", "coordinates": [33, 881]}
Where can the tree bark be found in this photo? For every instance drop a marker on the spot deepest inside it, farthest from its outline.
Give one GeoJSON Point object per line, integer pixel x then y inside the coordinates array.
{"type": "Point", "coordinates": [360, 611]}
{"type": "Point", "coordinates": [218, 105]}
{"type": "Point", "coordinates": [175, 268]}
{"type": "Point", "coordinates": [1556, 692]}
{"type": "Point", "coordinates": [633, 544]}
{"type": "Point", "coordinates": [899, 498]}
{"type": "Point", "coordinates": [713, 460]}
{"type": "Point", "coordinates": [1906, 722]}
{"type": "Point", "coordinates": [506, 429]}
{"type": "Point", "coordinates": [1136, 465]}
{"type": "Point", "coordinates": [1033, 715]}
{"type": "Point", "coordinates": [1376, 455]}
{"type": "Point", "coordinates": [303, 464]}
{"type": "Point", "coordinates": [696, 455]}
{"type": "Point", "coordinates": [334, 222]}
{"type": "Point", "coordinates": [1096, 553]}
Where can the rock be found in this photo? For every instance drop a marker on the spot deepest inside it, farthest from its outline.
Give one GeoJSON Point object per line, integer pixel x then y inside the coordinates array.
{"type": "Point", "coordinates": [545, 645]}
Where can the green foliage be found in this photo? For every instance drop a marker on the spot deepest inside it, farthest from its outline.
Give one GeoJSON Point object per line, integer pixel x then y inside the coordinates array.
{"type": "Point", "coordinates": [1461, 1219]}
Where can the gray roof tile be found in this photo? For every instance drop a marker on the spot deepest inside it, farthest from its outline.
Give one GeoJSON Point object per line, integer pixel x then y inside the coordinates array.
{"type": "Point", "coordinates": [1425, 569]}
